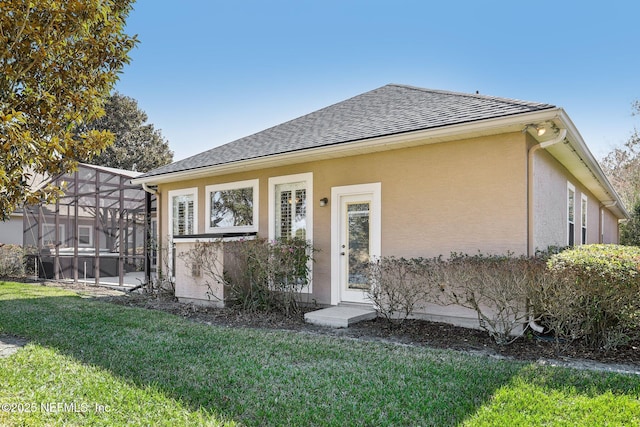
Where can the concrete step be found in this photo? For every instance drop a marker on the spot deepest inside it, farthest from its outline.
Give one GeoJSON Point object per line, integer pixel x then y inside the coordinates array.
{"type": "Point", "coordinates": [340, 316]}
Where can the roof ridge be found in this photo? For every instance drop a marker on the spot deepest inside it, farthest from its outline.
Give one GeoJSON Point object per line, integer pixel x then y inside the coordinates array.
{"type": "Point", "coordinates": [471, 95]}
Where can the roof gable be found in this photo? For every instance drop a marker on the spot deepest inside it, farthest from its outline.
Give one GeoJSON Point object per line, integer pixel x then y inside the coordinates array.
{"type": "Point", "coordinates": [390, 110]}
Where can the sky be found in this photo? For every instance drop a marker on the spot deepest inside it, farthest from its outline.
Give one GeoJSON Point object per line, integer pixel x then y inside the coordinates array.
{"type": "Point", "coordinates": [208, 72]}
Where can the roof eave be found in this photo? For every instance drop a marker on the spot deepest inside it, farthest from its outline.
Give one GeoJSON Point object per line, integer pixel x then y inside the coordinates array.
{"type": "Point", "coordinates": [382, 143]}
{"type": "Point", "coordinates": [576, 157]}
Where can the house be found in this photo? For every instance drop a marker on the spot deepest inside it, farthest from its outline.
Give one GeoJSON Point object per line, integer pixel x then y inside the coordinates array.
{"type": "Point", "coordinates": [400, 171]}
{"type": "Point", "coordinates": [11, 229]}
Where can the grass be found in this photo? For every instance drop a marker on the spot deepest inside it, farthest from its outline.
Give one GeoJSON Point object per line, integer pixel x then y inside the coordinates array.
{"type": "Point", "coordinates": [113, 365]}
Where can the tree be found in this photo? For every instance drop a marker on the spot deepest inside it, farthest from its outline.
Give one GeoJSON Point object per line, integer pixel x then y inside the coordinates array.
{"type": "Point", "coordinates": [58, 62]}
{"type": "Point", "coordinates": [630, 231]}
{"type": "Point", "coordinates": [622, 166]}
{"type": "Point", "coordinates": [137, 146]}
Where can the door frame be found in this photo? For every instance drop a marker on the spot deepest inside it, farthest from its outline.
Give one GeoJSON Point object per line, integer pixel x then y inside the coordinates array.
{"type": "Point", "coordinates": [372, 190]}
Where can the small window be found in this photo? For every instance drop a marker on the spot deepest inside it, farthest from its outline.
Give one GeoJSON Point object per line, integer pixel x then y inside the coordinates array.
{"type": "Point", "coordinates": [49, 235]}
{"type": "Point", "coordinates": [571, 211]}
{"type": "Point", "coordinates": [583, 217]}
{"type": "Point", "coordinates": [85, 235]}
{"type": "Point", "coordinates": [184, 211]}
{"type": "Point", "coordinates": [232, 207]}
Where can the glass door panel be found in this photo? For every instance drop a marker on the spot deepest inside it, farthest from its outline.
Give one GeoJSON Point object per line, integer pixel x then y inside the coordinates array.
{"type": "Point", "coordinates": [358, 240]}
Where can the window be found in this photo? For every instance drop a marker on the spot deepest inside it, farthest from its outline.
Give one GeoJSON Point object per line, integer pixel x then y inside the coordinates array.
{"type": "Point", "coordinates": [583, 218]}
{"type": "Point", "coordinates": [232, 207]}
{"type": "Point", "coordinates": [571, 210]}
{"type": "Point", "coordinates": [183, 213]}
{"type": "Point", "coordinates": [291, 209]}
{"type": "Point", "coordinates": [85, 235]}
{"type": "Point", "coordinates": [49, 235]}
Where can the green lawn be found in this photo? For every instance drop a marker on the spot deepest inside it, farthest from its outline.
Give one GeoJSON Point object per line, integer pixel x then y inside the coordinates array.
{"type": "Point", "coordinates": [93, 363]}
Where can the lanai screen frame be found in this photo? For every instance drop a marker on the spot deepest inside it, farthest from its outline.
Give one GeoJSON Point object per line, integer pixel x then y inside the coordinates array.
{"type": "Point", "coordinates": [117, 215]}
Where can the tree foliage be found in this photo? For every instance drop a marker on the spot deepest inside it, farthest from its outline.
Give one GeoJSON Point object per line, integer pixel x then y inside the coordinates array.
{"type": "Point", "coordinates": [138, 146]}
{"type": "Point", "coordinates": [58, 62]}
{"type": "Point", "coordinates": [630, 230]}
{"type": "Point", "coordinates": [622, 165]}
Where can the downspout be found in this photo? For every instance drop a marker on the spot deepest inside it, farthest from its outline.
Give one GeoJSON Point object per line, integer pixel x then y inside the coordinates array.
{"type": "Point", "coordinates": [148, 189]}
{"type": "Point", "coordinates": [530, 207]}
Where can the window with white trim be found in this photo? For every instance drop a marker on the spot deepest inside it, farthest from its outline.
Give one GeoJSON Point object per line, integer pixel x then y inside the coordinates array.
{"type": "Point", "coordinates": [571, 212]}
{"type": "Point", "coordinates": [291, 209]}
{"type": "Point", "coordinates": [49, 235]}
{"type": "Point", "coordinates": [183, 212]}
{"type": "Point", "coordinates": [601, 225]}
{"type": "Point", "coordinates": [232, 207]}
{"type": "Point", "coordinates": [85, 235]}
{"type": "Point", "coordinates": [583, 219]}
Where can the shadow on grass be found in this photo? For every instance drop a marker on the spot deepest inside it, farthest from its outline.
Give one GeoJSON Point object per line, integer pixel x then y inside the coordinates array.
{"type": "Point", "coordinates": [273, 378]}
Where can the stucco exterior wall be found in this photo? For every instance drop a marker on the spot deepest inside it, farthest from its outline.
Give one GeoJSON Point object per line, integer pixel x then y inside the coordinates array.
{"type": "Point", "coordinates": [11, 230]}
{"type": "Point", "coordinates": [196, 288]}
{"type": "Point", "coordinates": [551, 209]}
{"type": "Point", "coordinates": [464, 196]}
{"type": "Point", "coordinates": [610, 228]}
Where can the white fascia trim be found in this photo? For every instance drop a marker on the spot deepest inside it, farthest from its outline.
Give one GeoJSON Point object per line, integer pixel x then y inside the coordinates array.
{"type": "Point", "coordinates": [344, 149]}
{"type": "Point", "coordinates": [577, 142]}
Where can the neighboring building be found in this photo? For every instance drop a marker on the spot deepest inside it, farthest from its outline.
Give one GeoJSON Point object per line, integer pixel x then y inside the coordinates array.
{"type": "Point", "coordinates": [400, 171]}
{"type": "Point", "coordinates": [98, 230]}
{"type": "Point", "coordinates": [11, 229]}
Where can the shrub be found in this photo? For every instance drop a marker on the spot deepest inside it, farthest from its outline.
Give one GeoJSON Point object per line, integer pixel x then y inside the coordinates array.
{"type": "Point", "coordinates": [594, 295]}
{"type": "Point", "coordinates": [267, 275]}
{"type": "Point", "coordinates": [12, 261]}
{"type": "Point", "coordinates": [400, 285]}
{"type": "Point", "coordinates": [497, 288]}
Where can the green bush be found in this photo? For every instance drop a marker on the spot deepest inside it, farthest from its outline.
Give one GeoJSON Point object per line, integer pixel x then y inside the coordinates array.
{"type": "Point", "coordinates": [594, 295]}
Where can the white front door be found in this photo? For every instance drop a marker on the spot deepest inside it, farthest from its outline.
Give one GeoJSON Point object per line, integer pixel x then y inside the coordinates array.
{"type": "Point", "coordinates": [355, 225]}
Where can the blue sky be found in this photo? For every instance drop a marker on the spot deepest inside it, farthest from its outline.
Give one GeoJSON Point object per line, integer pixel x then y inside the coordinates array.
{"type": "Point", "coordinates": [209, 72]}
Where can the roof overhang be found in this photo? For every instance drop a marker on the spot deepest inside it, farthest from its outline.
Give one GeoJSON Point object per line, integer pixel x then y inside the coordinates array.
{"type": "Point", "coordinates": [573, 153]}
{"type": "Point", "coordinates": [576, 157]}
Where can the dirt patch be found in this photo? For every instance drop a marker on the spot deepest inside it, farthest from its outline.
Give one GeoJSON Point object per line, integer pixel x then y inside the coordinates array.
{"type": "Point", "coordinates": [531, 347]}
{"type": "Point", "coordinates": [10, 345]}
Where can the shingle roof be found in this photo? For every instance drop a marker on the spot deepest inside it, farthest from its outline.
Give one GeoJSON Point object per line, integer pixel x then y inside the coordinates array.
{"type": "Point", "coordinates": [389, 110]}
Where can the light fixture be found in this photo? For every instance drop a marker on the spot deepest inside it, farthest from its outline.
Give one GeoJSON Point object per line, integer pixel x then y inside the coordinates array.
{"type": "Point", "coordinates": [324, 201]}
{"type": "Point", "coordinates": [540, 128]}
